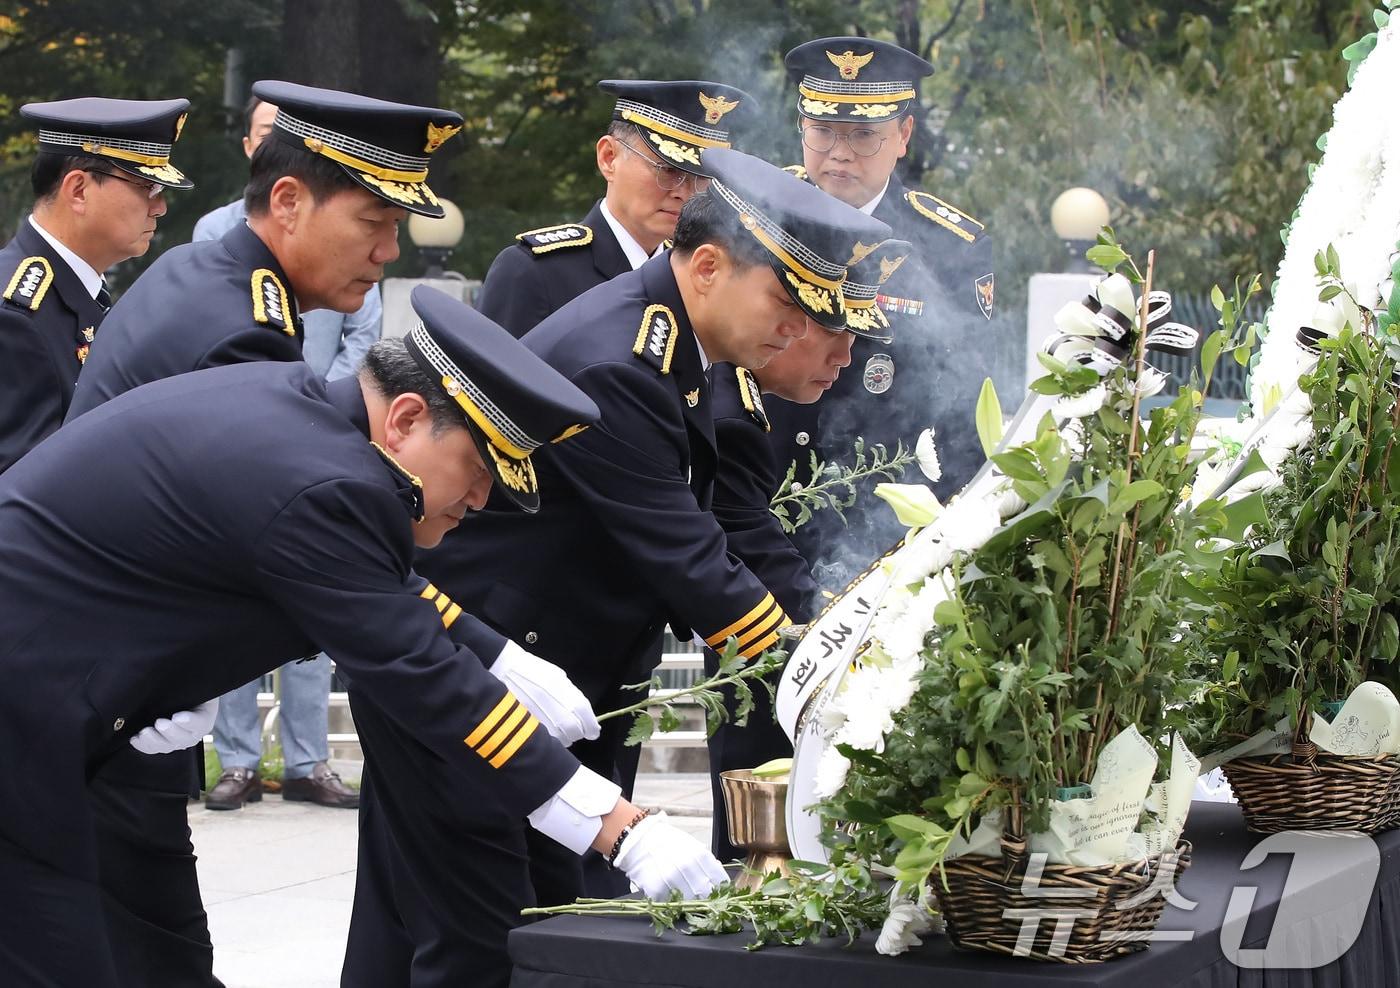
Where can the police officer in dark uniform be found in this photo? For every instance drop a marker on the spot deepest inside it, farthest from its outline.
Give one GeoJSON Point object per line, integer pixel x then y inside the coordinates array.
{"type": "Point", "coordinates": [99, 181]}
{"type": "Point", "coordinates": [325, 195]}
{"type": "Point", "coordinates": [650, 159]}
{"type": "Point", "coordinates": [338, 169]}
{"type": "Point", "coordinates": [749, 477]}
{"type": "Point", "coordinates": [854, 102]}
{"type": "Point", "coordinates": [230, 520]}
{"type": "Point", "coordinates": [623, 543]}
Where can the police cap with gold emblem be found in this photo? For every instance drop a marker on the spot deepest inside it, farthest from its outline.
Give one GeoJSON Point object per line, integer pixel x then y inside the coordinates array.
{"type": "Point", "coordinates": [809, 235]}
{"type": "Point", "coordinates": [135, 135]}
{"type": "Point", "coordinates": [855, 79]}
{"type": "Point", "coordinates": [680, 119]}
{"type": "Point", "coordinates": [385, 147]}
{"type": "Point", "coordinates": [511, 400]}
{"type": "Point", "coordinates": [871, 267]}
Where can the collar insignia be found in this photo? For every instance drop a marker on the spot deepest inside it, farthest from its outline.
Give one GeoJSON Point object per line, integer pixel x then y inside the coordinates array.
{"type": "Point", "coordinates": [692, 398]}
{"type": "Point", "coordinates": [438, 136]}
{"type": "Point", "coordinates": [716, 107]}
{"type": "Point", "coordinates": [849, 63]}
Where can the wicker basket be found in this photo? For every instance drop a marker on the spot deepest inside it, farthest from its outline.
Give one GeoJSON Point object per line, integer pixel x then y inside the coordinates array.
{"type": "Point", "coordinates": [1311, 790]}
{"type": "Point", "coordinates": [1109, 910]}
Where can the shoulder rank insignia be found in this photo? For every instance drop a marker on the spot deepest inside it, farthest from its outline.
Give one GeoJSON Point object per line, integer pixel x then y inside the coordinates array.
{"type": "Point", "coordinates": [29, 283]}
{"type": "Point", "coordinates": [798, 171]}
{"type": "Point", "coordinates": [656, 339]}
{"type": "Point", "coordinates": [549, 238]}
{"type": "Point", "coordinates": [270, 305]}
{"type": "Point", "coordinates": [752, 397]}
{"type": "Point", "coordinates": [950, 218]}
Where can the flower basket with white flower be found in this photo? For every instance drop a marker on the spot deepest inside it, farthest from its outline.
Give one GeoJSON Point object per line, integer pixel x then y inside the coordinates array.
{"type": "Point", "coordinates": [1009, 714]}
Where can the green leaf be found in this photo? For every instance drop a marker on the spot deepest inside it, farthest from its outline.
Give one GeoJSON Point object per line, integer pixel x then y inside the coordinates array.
{"type": "Point", "coordinates": [1217, 298]}
{"type": "Point", "coordinates": [1210, 351]}
{"type": "Point", "coordinates": [1106, 256]}
{"type": "Point", "coordinates": [1243, 513]}
{"type": "Point", "coordinates": [1138, 490]}
{"type": "Point", "coordinates": [989, 423]}
{"type": "Point", "coordinates": [908, 827]}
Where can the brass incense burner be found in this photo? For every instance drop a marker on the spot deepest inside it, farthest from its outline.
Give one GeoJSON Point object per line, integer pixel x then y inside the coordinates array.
{"type": "Point", "coordinates": [756, 812]}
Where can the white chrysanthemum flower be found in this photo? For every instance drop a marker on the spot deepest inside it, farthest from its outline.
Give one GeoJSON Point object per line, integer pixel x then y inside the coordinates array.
{"type": "Point", "coordinates": [832, 768]}
{"type": "Point", "coordinates": [926, 453]}
{"type": "Point", "coordinates": [1081, 406]}
{"type": "Point", "coordinates": [968, 524]}
{"type": "Point", "coordinates": [902, 927]}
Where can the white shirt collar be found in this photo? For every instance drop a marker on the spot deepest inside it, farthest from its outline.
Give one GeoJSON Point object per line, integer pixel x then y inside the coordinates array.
{"type": "Point", "coordinates": [869, 208]}
{"type": "Point", "coordinates": [636, 256]}
{"type": "Point", "coordinates": [704, 360]}
{"type": "Point", "coordinates": [86, 273]}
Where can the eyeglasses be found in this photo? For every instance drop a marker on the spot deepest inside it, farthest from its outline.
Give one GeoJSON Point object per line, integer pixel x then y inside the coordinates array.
{"type": "Point", "coordinates": [667, 178]}
{"type": "Point", "coordinates": [152, 189]}
{"type": "Point", "coordinates": [862, 140]}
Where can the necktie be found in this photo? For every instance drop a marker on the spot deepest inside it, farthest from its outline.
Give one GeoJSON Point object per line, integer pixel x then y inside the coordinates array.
{"type": "Point", "coordinates": [104, 297]}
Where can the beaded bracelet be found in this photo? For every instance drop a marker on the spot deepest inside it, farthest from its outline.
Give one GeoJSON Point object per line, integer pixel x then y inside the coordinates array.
{"type": "Point", "coordinates": [623, 835]}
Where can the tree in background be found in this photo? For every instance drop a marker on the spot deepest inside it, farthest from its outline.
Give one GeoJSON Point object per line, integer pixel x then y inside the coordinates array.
{"type": "Point", "coordinates": [1195, 118]}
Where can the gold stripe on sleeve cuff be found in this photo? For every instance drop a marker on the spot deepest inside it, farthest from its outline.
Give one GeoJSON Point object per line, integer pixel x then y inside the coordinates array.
{"type": "Point", "coordinates": [762, 645]}
{"type": "Point", "coordinates": [521, 736]}
{"type": "Point", "coordinates": [743, 624]}
{"type": "Point", "coordinates": [771, 622]}
{"type": "Point", "coordinates": [491, 720]}
{"type": "Point", "coordinates": [498, 737]}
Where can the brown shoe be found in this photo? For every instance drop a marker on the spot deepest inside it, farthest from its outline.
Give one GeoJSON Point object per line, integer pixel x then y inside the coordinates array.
{"type": "Point", "coordinates": [234, 788]}
{"type": "Point", "coordinates": [322, 787]}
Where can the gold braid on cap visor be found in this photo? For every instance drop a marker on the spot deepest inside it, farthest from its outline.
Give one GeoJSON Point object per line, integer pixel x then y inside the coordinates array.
{"type": "Point", "coordinates": [840, 91]}
{"type": "Point", "coordinates": [670, 124]}
{"type": "Point", "coordinates": [345, 150]}
{"type": "Point", "coordinates": [796, 256]}
{"type": "Point", "coordinates": [504, 434]}
{"type": "Point", "coordinates": [140, 152]}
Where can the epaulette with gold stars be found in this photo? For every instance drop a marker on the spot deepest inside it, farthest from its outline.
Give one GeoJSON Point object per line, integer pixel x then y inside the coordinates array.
{"type": "Point", "coordinates": [29, 283]}
{"type": "Point", "coordinates": [946, 216]}
{"type": "Point", "coordinates": [752, 397]}
{"type": "Point", "coordinates": [656, 339]}
{"type": "Point", "coordinates": [552, 238]}
{"type": "Point", "coordinates": [270, 304]}
{"type": "Point", "coordinates": [798, 171]}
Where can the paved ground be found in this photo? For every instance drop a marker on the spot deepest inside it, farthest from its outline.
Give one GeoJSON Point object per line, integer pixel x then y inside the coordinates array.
{"type": "Point", "coordinates": [278, 879]}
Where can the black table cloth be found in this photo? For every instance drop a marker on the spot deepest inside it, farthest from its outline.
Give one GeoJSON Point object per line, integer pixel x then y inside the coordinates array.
{"type": "Point", "coordinates": [584, 952]}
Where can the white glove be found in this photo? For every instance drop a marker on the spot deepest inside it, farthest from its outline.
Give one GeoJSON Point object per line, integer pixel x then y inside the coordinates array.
{"type": "Point", "coordinates": [182, 730]}
{"type": "Point", "coordinates": [658, 857]}
{"type": "Point", "coordinates": [546, 692]}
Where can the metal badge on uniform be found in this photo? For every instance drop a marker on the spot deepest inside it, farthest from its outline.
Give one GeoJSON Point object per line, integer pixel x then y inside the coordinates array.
{"type": "Point", "coordinates": [879, 373]}
{"type": "Point", "coordinates": [986, 292]}
{"type": "Point", "coordinates": [692, 398]}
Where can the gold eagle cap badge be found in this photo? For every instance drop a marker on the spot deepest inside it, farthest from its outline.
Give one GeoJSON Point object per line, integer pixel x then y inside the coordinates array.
{"type": "Point", "coordinates": [438, 136]}
{"type": "Point", "coordinates": [180, 125]}
{"type": "Point", "coordinates": [860, 252]}
{"type": "Point", "coordinates": [849, 63]}
{"type": "Point", "coordinates": [888, 266]}
{"type": "Point", "coordinates": [716, 107]}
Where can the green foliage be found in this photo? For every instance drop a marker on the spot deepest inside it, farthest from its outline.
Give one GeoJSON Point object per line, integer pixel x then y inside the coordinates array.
{"type": "Point", "coordinates": [735, 675]}
{"type": "Point", "coordinates": [814, 903]}
{"type": "Point", "coordinates": [1303, 610]}
{"type": "Point", "coordinates": [1061, 633]}
{"type": "Point", "coordinates": [833, 484]}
